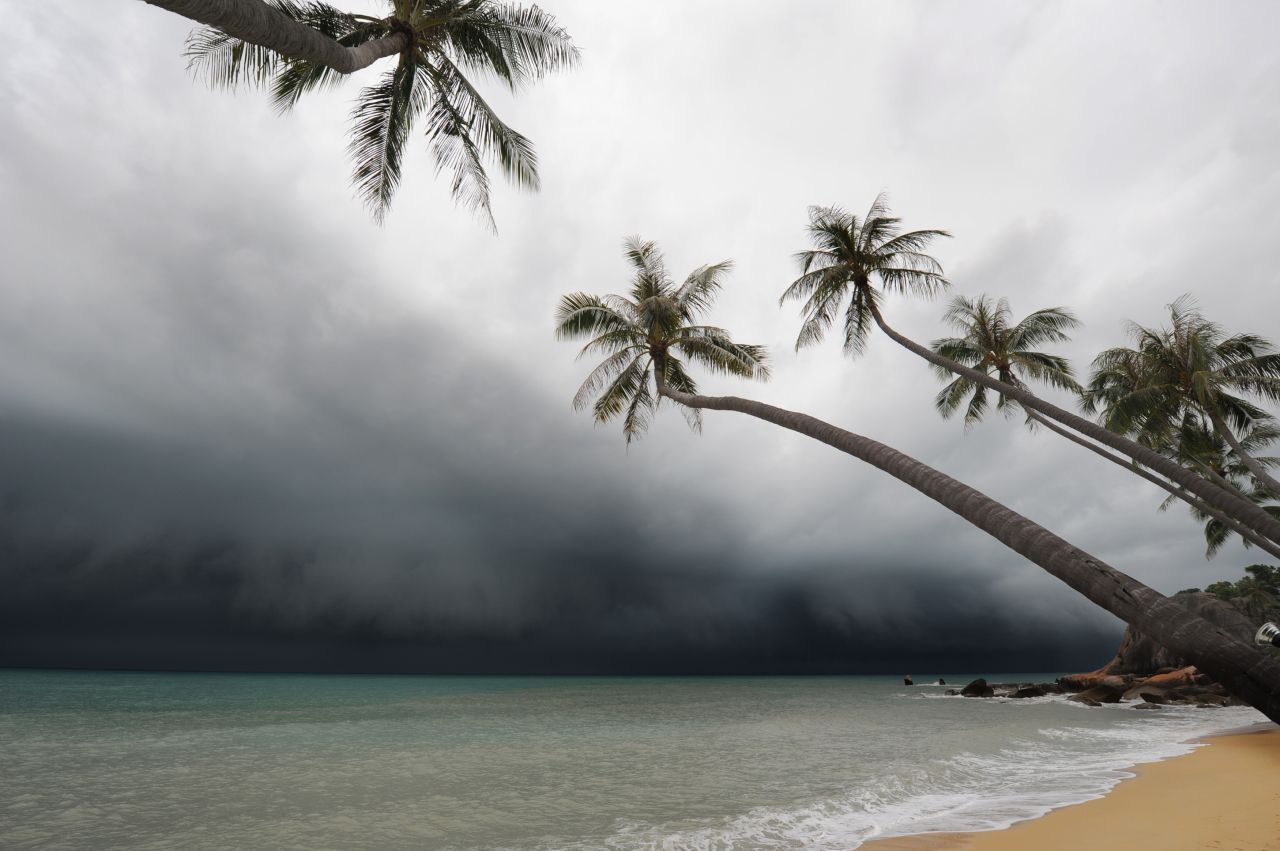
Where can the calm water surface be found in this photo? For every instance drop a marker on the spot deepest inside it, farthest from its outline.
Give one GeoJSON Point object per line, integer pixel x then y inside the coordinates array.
{"type": "Point", "coordinates": [143, 760]}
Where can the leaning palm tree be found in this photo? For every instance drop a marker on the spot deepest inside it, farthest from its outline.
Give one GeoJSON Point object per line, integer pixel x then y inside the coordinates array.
{"type": "Point", "coordinates": [993, 343]}
{"type": "Point", "coordinates": [644, 335]}
{"type": "Point", "coordinates": [639, 332]}
{"type": "Point", "coordinates": [437, 45]}
{"type": "Point", "coordinates": [862, 260]}
{"type": "Point", "coordinates": [1199, 446]}
{"type": "Point", "coordinates": [1190, 369]}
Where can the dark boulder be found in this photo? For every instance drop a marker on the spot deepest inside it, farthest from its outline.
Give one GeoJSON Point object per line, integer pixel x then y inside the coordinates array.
{"type": "Point", "coordinates": [978, 688]}
{"type": "Point", "coordinates": [1029, 691]}
{"type": "Point", "coordinates": [1099, 693]}
{"type": "Point", "coordinates": [907, 681]}
{"type": "Point", "coordinates": [1150, 694]}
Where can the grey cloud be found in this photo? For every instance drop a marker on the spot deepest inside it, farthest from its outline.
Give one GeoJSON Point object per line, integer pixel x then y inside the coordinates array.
{"type": "Point", "coordinates": [241, 426]}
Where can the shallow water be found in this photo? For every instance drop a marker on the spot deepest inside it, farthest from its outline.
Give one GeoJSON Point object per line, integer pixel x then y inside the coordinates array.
{"type": "Point", "coordinates": [146, 760]}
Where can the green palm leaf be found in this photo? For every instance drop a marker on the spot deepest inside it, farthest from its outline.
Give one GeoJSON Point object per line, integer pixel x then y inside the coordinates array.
{"type": "Point", "coordinates": [644, 337]}
{"type": "Point", "coordinates": [993, 343]}
{"type": "Point", "coordinates": [849, 255]}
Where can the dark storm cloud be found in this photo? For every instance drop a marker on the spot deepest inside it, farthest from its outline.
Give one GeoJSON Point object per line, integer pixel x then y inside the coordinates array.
{"type": "Point", "coordinates": [242, 427]}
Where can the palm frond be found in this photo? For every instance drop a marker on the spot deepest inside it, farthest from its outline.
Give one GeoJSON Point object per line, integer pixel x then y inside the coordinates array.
{"type": "Point", "coordinates": [381, 120]}
{"type": "Point", "coordinates": [698, 291]}
{"type": "Point", "coordinates": [678, 379]}
{"type": "Point", "coordinates": [605, 375]}
{"type": "Point", "coordinates": [512, 42]}
{"type": "Point", "coordinates": [581, 314]}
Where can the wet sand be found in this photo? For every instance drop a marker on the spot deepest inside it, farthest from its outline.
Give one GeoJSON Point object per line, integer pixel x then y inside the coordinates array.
{"type": "Point", "coordinates": [1225, 795]}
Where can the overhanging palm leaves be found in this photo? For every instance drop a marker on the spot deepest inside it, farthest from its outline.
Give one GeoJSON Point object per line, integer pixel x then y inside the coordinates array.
{"type": "Point", "coordinates": [849, 255]}
{"type": "Point", "coordinates": [645, 334]}
{"type": "Point", "coordinates": [1199, 446]}
{"type": "Point", "coordinates": [445, 39]}
{"type": "Point", "coordinates": [1191, 369]}
{"type": "Point", "coordinates": [992, 343]}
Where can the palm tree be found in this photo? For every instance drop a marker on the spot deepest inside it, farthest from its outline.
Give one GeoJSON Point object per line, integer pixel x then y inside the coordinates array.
{"type": "Point", "coordinates": [1199, 446]}
{"type": "Point", "coordinates": [1191, 368]}
{"type": "Point", "coordinates": [642, 336]}
{"type": "Point", "coordinates": [852, 255]}
{"type": "Point", "coordinates": [437, 43]}
{"type": "Point", "coordinates": [637, 334]}
{"type": "Point", "coordinates": [993, 343]}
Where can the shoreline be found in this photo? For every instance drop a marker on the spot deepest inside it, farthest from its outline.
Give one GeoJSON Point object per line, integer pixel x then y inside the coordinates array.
{"type": "Point", "coordinates": [1223, 794]}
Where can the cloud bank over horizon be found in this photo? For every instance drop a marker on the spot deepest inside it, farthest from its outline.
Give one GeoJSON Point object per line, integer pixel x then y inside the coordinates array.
{"type": "Point", "coordinates": [243, 427]}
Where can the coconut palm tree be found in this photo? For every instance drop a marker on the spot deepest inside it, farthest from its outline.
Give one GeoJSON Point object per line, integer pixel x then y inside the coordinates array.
{"type": "Point", "coordinates": [993, 343]}
{"type": "Point", "coordinates": [644, 335]}
{"type": "Point", "coordinates": [1191, 368]}
{"type": "Point", "coordinates": [1247, 671]}
{"type": "Point", "coordinates": [638, 333]}
{"type": "Point", "coordinates": [863, 259]}
{"type": "Point", "coordinates": [1200, 447]}
{"type": "Point", "coordinates": [437, 44]}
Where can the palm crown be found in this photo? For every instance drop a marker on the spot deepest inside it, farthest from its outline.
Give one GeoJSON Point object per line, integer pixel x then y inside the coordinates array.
{"type": "Point", "coordinates": [1191, 368]}
{"type": "Point", "coordinates": [446, 38]}
{"type": "Point", "coordinates": [644, 334]}
{"type": "Point", "coordinates": [849, 254]}
{"type": "Point", "coordinates": [992, 343]}
{"type": "Point", "coordinates": [1199, 446]}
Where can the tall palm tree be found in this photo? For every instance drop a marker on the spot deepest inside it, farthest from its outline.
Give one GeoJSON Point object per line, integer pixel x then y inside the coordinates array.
{"type": "Point", "coordinates": [1247, 671]}
{"type": "Point", "coordinates": [862, 259]}
{"type": "Point", "coordinates": [637, 334]}
{"type": "Point", "coordinates": [643, 336]}
{"type": "Point", "coordinates": [437, 45]}
{"type": "Point", "coordinates": [1192, 368]}
{"type": "Point", "coordinates": [1201, 447]}
{"type": "Point", "coordinates": [993, 343]}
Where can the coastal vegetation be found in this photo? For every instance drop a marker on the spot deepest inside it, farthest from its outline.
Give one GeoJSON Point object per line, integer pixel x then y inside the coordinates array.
{"type": "Point", "coordinates": [294, 48]}
{"type": "Point", "coordinates": [1181, 409]}
{"type": "Point", "coordinates": [854, 264]}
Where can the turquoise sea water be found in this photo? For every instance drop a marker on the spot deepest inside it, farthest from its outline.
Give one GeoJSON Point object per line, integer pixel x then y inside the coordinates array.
{"type": "Point", "coordinates": [153, 760]}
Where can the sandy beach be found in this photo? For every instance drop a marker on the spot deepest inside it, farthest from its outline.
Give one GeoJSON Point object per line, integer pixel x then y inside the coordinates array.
{"type": "Point", "coordinates": [1221, 796]}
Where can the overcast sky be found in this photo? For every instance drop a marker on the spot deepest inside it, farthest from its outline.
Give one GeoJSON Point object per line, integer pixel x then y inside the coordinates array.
{"type": "Point", "coordinates": [243, 426]}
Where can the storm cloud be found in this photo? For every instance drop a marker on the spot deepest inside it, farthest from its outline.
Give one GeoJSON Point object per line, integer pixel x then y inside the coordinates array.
{"type": "Point", "coordinates": [243, 427]}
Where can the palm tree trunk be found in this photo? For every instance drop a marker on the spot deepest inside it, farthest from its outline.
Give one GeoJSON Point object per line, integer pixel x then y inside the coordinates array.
{"type": "Point", "coordinates": [258, 23]}
{"type": "Point", "coordinates": [1247, 671]}
{"type": "Point", "coordinates": [1259, 472]}
{"type": "Point", "coordinates": [1191, 500]}
{"type": "Point", "coordinates": [1241, 509]}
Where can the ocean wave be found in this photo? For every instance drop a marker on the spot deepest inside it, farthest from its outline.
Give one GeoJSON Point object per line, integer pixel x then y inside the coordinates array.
{"type": "Point", "coordinates": [1056, 767]}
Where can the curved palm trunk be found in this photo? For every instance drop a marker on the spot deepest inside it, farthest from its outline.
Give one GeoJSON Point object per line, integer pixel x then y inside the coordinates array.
{"type": "Point", "coordinates": [1259, 472]}
{"type": "Point", "coordinates": [1241, 509]}
{"type": "Point", "coordinates": [257, 23]}
{"type": "Point", "coordinates": [1247, 671]}
{"type": "Point", "coordinates": [1199, 505]}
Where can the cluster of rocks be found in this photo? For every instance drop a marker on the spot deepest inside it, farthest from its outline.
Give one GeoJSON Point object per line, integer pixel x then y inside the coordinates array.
{"type": "Point", "coordinates": [1168, 687]}
{"type": "Point", "coordinates": [982, 688]}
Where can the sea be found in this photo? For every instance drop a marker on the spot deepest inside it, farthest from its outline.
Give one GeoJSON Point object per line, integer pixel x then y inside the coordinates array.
{"type": "Point", "coordinates": [193, 761]}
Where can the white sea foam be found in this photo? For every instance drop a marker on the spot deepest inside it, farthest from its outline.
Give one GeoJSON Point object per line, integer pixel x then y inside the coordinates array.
{"type": "Point", "coordinates": [966, 792]}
